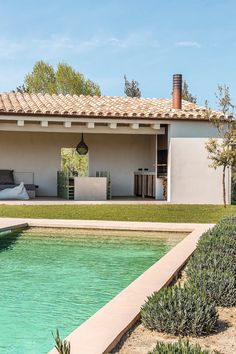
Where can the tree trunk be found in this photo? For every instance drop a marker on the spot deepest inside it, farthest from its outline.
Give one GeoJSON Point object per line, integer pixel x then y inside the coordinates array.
{"type": "Point", "coordinates": [223, 182]}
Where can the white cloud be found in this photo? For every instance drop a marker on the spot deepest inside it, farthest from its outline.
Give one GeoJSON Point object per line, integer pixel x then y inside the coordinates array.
{"type": "Point", "coordinates": [62, 42]}
{"type": "Point", "coordinates": [9, 48]}
{"type": "Point", "coordinates": [135, 39]}
{"type": "Point", "coordinates": [56, 45]}
{"type": "Point", "coordinates": [188, 44]}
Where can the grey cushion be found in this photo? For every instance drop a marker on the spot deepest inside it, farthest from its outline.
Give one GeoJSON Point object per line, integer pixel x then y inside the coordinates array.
{"type": "Point", "coordinates": [28, 187]}
{"type": "Point", "coordinates": [6, 177]}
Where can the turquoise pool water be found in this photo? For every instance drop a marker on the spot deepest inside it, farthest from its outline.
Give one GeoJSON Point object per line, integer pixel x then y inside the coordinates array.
{"type": "Point", "coordinates": [58, 279]}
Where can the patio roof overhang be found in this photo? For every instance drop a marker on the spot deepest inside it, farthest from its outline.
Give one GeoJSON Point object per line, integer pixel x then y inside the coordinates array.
{"type": "Point", "coordinates": [28, 123]}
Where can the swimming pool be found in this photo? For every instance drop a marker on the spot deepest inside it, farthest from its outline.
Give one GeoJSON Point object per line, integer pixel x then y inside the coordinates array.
{"type": "Point", "coordinates": [58, 278]}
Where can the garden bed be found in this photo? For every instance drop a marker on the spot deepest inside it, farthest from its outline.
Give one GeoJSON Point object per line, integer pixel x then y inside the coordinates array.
{"type": "Point", "coordinates": [140, 340]}
{"type": "Point", "coordinates": [200, 307]}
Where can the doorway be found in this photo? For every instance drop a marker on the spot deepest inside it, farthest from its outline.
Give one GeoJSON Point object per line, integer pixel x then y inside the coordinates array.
{"type": "Point", "coordinates": [74, 164]}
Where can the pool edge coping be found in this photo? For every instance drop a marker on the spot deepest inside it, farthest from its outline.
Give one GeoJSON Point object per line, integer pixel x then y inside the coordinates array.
{"type": "Point", "coordinates": [101, 224]}
{"type": "Point", "coordinates": [100, 333]}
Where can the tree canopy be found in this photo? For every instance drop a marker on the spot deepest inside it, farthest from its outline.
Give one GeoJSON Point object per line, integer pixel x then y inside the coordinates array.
{"type": "Point", "coordinates": [65, 80]}
{"type": "Point", "coordinates": [186, 95]}
{"type": "Point", "coordinates": [131, 88]}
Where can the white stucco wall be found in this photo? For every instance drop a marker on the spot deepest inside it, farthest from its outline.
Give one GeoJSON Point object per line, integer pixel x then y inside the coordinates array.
{"type": "Point", "coordinates": [32, 152]}
{"type": "Point", "coordinates": [40, 153]}
{"type": "Point", "coordinates": [122, 155]}
{"type": "Point", "coordinates": [190, 179]}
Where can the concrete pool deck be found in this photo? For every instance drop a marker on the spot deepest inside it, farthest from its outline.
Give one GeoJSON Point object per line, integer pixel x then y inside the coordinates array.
{"type": "Point", "coordinates": [9, 224]}
{"type": "Point", "coordinates": [58, 201]}
{"type": "Point", "coordinates": [102, 224]}
{"type": "Point", "coordinates": [101, 332]}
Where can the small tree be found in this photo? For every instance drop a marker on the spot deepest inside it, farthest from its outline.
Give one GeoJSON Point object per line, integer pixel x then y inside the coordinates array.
{"type": "Point", "coordinates": [186, 95]}
{"type": "Point", "coordinates": [132, 88]}
{"type": "Point", "coordinates": [221, 151]}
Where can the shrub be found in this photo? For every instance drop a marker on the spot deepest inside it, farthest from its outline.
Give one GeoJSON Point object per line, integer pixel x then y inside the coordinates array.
{"type": "Point", "coordinates": [179, 311]}
{"type": "Point", "coordinates": [228, 220]}
{"type": "Point", "coordinates": [212, 269]}
{"type": "Point", "coordinates": [218, 231]}
{"type": "Point", "coordinates": [228, 230]}
{"type": "Point", "coordinates": [223, 244]}
{"type": "Point", "coordinates": [211, 282]}
{"type": "Point", "coordinates": [219, 286]}
{"type": "Point", "coordinates": [214, 260]}
{"type": "Point", "coordinates": [181, 347]}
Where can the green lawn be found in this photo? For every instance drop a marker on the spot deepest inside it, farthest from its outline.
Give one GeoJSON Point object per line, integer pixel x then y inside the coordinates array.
{"type": "Point", "coordinates": [159, 213]}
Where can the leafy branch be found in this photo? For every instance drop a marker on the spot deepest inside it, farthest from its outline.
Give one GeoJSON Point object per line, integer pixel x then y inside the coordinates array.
{"type": "Point", "coordinates": [62, 346]}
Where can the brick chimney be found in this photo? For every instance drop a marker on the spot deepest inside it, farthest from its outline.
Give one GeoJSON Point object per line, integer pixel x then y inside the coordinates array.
{"type": "Point", "coordinates": [177, 91]}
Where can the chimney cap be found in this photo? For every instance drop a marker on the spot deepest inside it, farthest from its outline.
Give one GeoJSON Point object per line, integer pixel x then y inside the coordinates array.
{"type": "Point", "coordinates": [177, 79]}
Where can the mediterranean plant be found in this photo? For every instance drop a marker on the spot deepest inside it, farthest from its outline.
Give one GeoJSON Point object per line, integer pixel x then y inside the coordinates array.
{"type": "Point", "coordinates": [218, 285]}
{"type": "Point", "coordinates": [222, 151]}
{"type": "Point", "coordinates": [213, 266]}
{"type": "Point", "coordinates": [211, 282]}
{"type": "Point", "coordinates": [62, 346]}
{"type": "Point", "coordinates": [186, 95]}
{"type": "Point", "coordinates": [214, 261]}
{"type": "Point", "coordinates": [131, 88]}
{"type": "Point", "coordinates": [229, 220]}
{"type": "Point", "coordinates": [220, 238]}
{"type": "Point", "coordinates": [180, 347]}
{"type": "Point", "coordinates": [179, 311]}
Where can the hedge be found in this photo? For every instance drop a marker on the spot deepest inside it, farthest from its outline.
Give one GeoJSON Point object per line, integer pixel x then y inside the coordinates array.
{"type": "Point", "coordinates": [211, 282]}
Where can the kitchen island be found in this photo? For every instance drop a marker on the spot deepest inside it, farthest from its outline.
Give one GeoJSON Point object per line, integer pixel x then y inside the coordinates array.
{"type": "Point", "coordinates": [90, 188]}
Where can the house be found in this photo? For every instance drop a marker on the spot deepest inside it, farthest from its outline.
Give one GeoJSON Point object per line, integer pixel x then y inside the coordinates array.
{"type": "Point", "coordinates": [150, 146]}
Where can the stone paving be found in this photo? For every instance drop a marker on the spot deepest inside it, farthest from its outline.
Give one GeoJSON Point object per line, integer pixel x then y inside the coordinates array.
{"type": "Point", "coordinates": [58, 201]}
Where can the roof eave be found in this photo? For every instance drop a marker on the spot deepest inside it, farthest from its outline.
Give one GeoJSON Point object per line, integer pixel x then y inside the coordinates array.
{"type": "Point", "coordinates": [165, 117]}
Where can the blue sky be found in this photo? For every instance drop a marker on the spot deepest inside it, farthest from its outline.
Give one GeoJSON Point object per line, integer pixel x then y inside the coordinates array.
{"type": "Point", "coordinates": [146, 40]}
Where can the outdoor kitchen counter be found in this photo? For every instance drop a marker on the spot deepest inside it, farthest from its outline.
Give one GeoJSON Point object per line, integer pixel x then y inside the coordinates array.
{"type": "Point", "coordinates": [90, 188]}
{"type": "Point", "coordinates": [146, 185]}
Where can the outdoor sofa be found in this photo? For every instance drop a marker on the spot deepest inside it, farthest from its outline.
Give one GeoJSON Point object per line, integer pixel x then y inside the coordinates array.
{"type": "Point", "coordinates": [7, 181]}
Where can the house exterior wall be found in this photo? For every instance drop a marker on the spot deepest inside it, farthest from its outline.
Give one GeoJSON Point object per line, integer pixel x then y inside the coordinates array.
{"type": "Point", "coordinates": [40, 153]}
{"type": "Point", "coordinates": [190, 179]}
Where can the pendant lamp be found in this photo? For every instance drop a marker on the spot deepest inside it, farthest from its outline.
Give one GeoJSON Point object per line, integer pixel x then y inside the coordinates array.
{"type": "Point", "coordinates": [82, 148]}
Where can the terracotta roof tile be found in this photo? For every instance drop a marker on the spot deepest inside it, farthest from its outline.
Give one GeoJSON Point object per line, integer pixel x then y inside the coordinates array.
{"type": "Point", "coordinates": [104, 106]}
